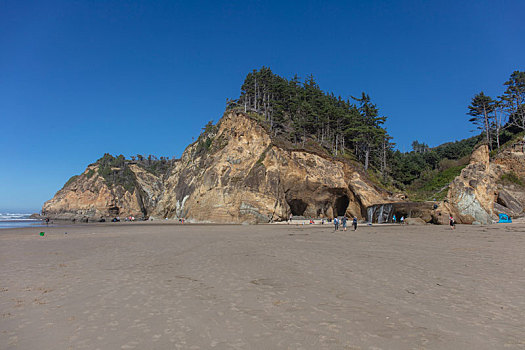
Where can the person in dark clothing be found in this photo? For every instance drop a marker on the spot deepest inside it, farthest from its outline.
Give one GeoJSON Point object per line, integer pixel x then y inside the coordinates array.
{"type": "Point", "coordinates": [343, 221]}
{"type": "Point", "coordinates": [354, 223]}
{"type": "Point", "coordinates": [336, 224]}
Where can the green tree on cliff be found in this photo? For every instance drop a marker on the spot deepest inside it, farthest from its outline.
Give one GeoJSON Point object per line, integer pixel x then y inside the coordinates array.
{"type": "Point", "coordinates": [480, 110]}
{"type": "Point", "coordinates": [513, 99]}
{"type": "Point", "coordinates": [367, 133]}
{"type": "Point", "coordinates": [302, 112]}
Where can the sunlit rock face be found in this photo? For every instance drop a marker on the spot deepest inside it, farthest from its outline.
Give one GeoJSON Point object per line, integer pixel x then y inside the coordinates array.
{"type": "Point", "coordinates": [89, 197]}
{"type": "Point", "coordinates": [237, 173]}
{"type": "Point", "coordinates": [478, 195]}
{"type": "Point", "coordinates": [234, 174]}
{"type": "Point", "coordinates": [245, 177]}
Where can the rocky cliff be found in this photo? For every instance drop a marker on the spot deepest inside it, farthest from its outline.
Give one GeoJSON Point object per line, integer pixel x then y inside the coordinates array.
{"type": "Point", "coordinates": [90, 196]}
{"type": "Point", "coordinates": [234, 173]}
{"type": "Point", "coordinates": [481, 192]}
{"type": "Point", "coordinates": [485, 188]}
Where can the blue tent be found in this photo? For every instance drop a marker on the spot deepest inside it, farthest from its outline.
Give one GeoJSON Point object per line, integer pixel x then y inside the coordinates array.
{"type": "Point", "coordinates": [504, 218]}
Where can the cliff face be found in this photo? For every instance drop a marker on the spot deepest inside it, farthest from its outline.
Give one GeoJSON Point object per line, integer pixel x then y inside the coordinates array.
{"type": "Point", "coordinates": [231, 175]}
{"type": "Point", "coordinates": [89, 196]}
{"type": "Point", "coordinates": [245, 178]}
{"type": "Point", "coordinates": [478, 195]}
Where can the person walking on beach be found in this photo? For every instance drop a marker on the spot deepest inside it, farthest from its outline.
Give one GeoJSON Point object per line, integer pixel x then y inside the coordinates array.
{"type": "Point", "coordinates": [394, 218]}
{"type": "Point", "coordinates": [402, 220]}
{"type": "Point", "coordinates": [354, 223]}
{"type": "Point", "coordinates": [452, 222]}
{"type": "Point", "coordinates": [344, 220]}
{"type": "Point", "coordinates": [336, 224]}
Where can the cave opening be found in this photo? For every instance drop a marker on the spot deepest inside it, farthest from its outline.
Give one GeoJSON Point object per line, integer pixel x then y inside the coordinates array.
{"type": "Point", "coordinates": [113, 211]}
{"type": "Point", "coordinates": [341, 204]}
{"type": "Point", "coordinates": [500, 201]}
{"type": "Point", "coordinates": [297, 206]}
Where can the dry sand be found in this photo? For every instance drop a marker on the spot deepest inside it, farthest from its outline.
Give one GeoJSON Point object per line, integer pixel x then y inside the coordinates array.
{"type": "Point", "coordinates": [143, 286]}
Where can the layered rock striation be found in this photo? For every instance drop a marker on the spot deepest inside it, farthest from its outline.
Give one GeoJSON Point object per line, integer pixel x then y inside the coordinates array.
{"type": "Point", "coordinates": [89, 196]}
{"type": "Point", "coordinates": [234, 173]}
{"type": "Point", "coordinates": [479, 194]}
{"type": "Point", "coordinates": [476, 196]}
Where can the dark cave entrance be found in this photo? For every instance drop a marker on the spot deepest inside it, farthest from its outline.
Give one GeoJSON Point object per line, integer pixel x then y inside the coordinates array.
{"type": "Point", "coordinates": [297, 206]}
{"type": "Point", "coordinates": [113, 211]}
{"type": "Point", "coordinates": [341, 204]}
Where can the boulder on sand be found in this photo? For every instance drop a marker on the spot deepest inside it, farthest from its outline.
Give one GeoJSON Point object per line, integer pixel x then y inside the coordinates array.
{"type": "Point", "coordinates": [415, 221]}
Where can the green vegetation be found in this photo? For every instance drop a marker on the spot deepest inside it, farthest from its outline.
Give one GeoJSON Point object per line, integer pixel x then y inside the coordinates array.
{"type": "Point", "coordinates": [502, 117]}
{"type": "Point", "coordinates": [407, 167]}
{"type": "Point", "coordinates": [115, 171]}
{"type": "Point", "coordinates": [71, 180]}
{"type": "Point", "coordinates": [300, 115]}
{"type": "Point", "coordinates": [156, 166]}
{"type": "Point", "coordinates": [303, 116]}
{"type": "Point", "coordinates": [512, 138]}
{"type": "Point", "coordinates": [511, 178]}
{"type": "Point", "coordinates": [90, 173]}
{"type": "Point", "coordinates": [434, 184]}
{"type": "Point", "coordinates": [206, 138]}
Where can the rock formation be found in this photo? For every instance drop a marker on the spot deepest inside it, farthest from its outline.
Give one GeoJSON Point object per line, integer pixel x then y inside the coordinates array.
{"type": "Point", "coordinates": [234, 173]}
{"type": "Point", "coordinates": [89, 196]}
{"type": "Point", "coordinates": [478, 194]}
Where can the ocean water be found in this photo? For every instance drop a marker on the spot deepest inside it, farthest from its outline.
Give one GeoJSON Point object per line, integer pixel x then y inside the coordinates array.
{"type": "Point", "coordinates": [13, 220]}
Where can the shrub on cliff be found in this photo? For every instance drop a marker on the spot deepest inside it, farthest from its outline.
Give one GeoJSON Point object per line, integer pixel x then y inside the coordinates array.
{"type": "Point", "coordinates": [115, 172]}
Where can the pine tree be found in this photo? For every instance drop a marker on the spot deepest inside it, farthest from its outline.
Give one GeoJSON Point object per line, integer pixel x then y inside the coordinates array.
{"type": "Point", "coordinates": [368, 133]}
{"type": "Point", "coordinates": [480, 109]}
{"type": "Point", "coordinates": [514, 99]}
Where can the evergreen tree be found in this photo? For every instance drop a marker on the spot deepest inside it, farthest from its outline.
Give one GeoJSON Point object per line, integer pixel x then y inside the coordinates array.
{"type": "Point", "coordinates": [302, 111]}
{"type": "Point", "coordinates": [480, 109]}
{"type": "Point", "coordinates": [419, 147]}
{"type": "Point", "coordinates": [367, 134]}
{"type": "Point", "coordinates": [513, 99]}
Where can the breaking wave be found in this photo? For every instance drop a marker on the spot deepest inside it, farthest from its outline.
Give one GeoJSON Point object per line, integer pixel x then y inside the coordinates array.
{"type": "Point", "coordinates": [14, 217]}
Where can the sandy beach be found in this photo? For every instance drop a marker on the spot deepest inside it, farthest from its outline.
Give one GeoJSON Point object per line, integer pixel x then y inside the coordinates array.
{"type": "Point", "coordinates": [167, 286]}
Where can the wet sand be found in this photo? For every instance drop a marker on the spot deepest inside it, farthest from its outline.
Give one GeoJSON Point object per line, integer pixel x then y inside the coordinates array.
{"type": "Point", "coordinates": [143, 286]}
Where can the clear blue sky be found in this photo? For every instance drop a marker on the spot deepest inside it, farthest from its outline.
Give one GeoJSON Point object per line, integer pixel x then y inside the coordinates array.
{"type": "Point", "coordinates": [81, 78]}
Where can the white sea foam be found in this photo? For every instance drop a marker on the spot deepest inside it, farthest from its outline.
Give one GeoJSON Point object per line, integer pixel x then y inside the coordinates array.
{"type": "Point", "coordinates": [14, 216]}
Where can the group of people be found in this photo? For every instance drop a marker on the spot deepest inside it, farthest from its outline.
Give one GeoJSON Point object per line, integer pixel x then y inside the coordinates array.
{"type": "Point", "coordinates": [343, 222]}
{"type": "Point", "coordinates": [401, 220]}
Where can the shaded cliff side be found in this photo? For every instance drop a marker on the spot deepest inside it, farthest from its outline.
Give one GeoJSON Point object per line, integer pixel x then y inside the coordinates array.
{"type": "Point", "coordinates": [234, 173]}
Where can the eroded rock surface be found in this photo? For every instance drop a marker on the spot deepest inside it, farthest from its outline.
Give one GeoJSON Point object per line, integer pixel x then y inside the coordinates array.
{"type": "Point", "coordinates": [89, 197]}
{"type": "Point", "coordinates": [477, 194]}
{"type": "Point", "coordinates": [246, 178]}
{"type": "Point", "coordinates": [234, 174]}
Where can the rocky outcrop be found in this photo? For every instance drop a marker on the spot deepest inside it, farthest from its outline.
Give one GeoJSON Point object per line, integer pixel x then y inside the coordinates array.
{"type": "Point", "coordinates": [234, 173]}
{"type": "Point", "coordinates": [88, 196]}
{"type": "Point", "coordinates": [245, 177]}
{"type": "Point", "coordinates": [384, 213]}
{"type": "Point", "coordinates": [477, 194]}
